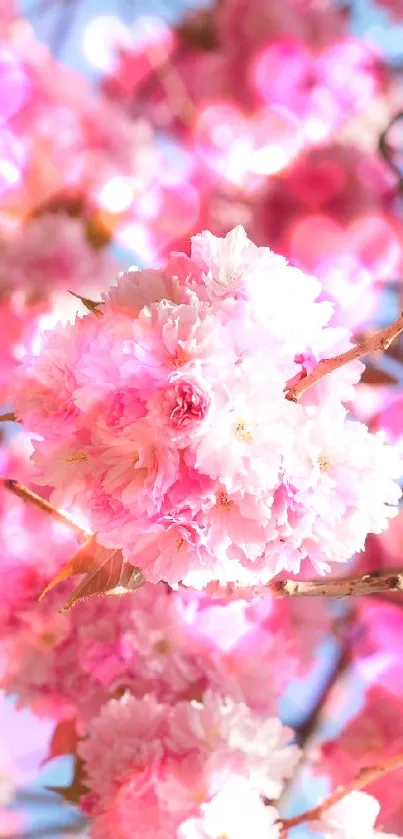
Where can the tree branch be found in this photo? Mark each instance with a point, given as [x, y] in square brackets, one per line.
[310, 725]
[51, 830]
[307, 730]
[387, 152]
[8, 417]
[380, 341]
[364, 777]
[30, 497]
[375, 583]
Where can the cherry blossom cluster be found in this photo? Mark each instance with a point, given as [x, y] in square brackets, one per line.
[166, 421]
[192, 677]
[94, 139]
[233, 55]
[182, 766]
[354, 815]
[175, 645]
[173, 695]
[275, 115]
[52, 231]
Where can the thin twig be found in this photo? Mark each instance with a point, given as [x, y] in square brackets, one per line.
[307, 730]
[8, 417]
[310, 725]
[340, 587]
[30, 497]
[377, 582]
[387, 152]
[50, 830]
[380, 341]
[364, 777]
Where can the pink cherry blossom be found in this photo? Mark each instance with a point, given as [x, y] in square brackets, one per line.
[51, 398]
[53, 251]
[233, 812]
[394, 7]
[176, 759]
[170, 427]
[311, 88]
[352, 816]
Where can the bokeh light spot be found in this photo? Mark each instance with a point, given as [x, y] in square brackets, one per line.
[116, 195]
[102, 37]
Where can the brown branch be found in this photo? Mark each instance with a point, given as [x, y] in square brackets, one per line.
[375, 583]
[307, 730]
[387, 152]
[77, 828]
[30, 497]
[364, 777]
[9, 417]
[380, 341]
[310, 725]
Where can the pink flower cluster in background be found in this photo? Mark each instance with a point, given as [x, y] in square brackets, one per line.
[160, 421]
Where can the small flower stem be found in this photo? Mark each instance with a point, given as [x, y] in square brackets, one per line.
[30, 497]
[375, 583]
[378, 342]
[364, 777]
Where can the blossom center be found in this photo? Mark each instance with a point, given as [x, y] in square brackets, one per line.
[190, 404]
[241, 431]
[76, 457]
[179, 359]
[223, 500]
[162, 646]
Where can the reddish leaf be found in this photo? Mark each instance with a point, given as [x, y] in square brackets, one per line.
[64, 740]
[76, 789]
[80, 563]
[108, 574]
[105, 571]
[91, 305]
